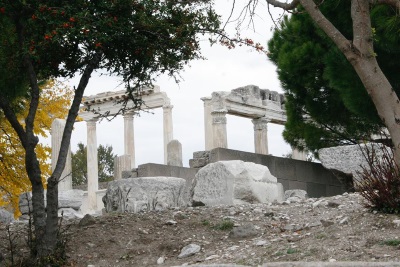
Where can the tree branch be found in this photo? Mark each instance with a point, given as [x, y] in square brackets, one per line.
[12, 119]
[286, 6]
[73, 113]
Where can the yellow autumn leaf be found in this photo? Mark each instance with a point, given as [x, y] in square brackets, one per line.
[55, 99]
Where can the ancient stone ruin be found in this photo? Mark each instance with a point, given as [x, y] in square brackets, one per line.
[261, 105]
[227, 182]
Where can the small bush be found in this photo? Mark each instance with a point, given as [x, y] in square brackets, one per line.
[291, 251]
[391, 242]
[225, 225]
[205, 222]
[380, 182]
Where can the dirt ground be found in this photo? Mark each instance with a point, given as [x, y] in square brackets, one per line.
[337, 228]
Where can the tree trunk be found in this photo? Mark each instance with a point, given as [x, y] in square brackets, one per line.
[360, 53]
[38, 205]
[49, 240]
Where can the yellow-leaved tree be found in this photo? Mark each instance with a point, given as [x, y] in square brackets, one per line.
[54, 103]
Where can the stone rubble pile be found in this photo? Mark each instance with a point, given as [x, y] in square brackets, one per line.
[280, 227]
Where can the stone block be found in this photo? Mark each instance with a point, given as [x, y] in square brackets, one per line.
[235, 182]
[6, 217]
[201, 154]
[143, 194]
[70, 199]
[66, 199]
[198, 162]
[301, 194]
[348, 159]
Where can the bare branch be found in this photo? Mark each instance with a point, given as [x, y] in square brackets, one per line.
[286, 6]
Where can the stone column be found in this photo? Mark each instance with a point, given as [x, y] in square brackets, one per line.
[168, 129]
[219, 129]
[129, 137]
[261, 136]
[299, 155]
[92, 164]
[174, 153]
[121, 163]
[57, 130]
[207, 123]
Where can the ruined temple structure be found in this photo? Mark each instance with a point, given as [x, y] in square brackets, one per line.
[110, 104]
[261, 105]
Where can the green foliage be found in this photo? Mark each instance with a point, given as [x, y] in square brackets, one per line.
[380, 181]
[326, 103]
[225, 225]
[205, 222]
[105, 164]
[291, 251]
[391, 242]
[137, 39]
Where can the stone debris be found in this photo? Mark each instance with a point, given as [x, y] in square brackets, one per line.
[189, 250]
[244, 231]
[160, 260]
[312, 230]
[87, 220]
[6, 217]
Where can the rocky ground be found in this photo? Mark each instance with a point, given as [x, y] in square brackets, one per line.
[337, 228]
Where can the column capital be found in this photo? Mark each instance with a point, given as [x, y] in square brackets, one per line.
[92, 122]
[129, 114]
[260, 123]
[167, 106]
[219, 116]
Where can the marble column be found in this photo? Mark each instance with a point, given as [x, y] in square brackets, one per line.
[261, 136]
[219, 129]
[168, 129]
[57, 130]
[208, 137]
[92, 164]
[121, 164]
[299, 155]
[129, 138]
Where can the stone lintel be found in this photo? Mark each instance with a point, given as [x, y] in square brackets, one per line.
[113, 105]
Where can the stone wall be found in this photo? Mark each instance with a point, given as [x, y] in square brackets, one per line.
[293, 174]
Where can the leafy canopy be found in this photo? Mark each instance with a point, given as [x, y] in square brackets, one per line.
[327, 105]
[137, 39]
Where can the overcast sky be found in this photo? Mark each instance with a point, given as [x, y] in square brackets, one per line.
[223, 70]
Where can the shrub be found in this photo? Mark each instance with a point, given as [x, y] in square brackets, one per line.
[379, 183]
[224, 225]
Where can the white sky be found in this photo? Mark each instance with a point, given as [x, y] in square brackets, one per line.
[223, 70]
